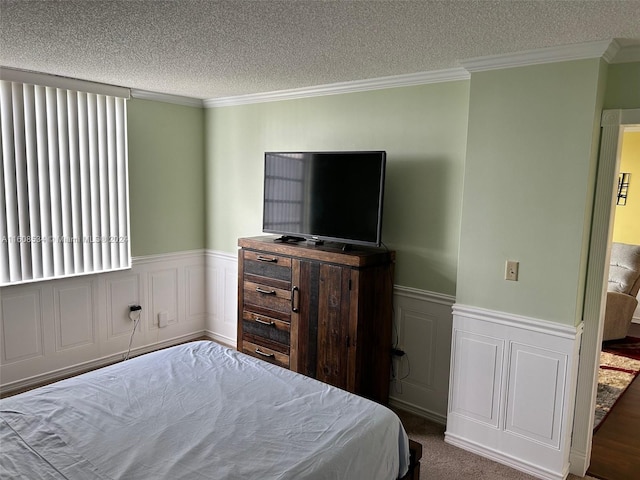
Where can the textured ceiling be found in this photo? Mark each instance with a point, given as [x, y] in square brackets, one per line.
[213, 49]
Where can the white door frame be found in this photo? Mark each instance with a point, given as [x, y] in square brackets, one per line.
[613, 124]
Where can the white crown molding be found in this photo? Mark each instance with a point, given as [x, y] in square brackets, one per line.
[58, 81]
[606, 49]
[167, 98]
[612, 51]
[609, 50]
[407, 80]
[617, 117]
[627, 54]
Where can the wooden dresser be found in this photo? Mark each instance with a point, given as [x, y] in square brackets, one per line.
[319, 311]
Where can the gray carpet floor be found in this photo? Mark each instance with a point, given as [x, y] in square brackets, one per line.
[441, 461]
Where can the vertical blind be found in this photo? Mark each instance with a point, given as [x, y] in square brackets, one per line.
[64, 203]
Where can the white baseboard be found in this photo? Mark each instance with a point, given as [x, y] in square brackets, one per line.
[417, 410]
[507, 460]
[36, 380]
[226, 341]
[579, 463]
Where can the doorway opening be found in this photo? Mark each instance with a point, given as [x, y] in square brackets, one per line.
[613, 125]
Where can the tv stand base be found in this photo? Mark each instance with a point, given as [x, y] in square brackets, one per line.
[288, 239]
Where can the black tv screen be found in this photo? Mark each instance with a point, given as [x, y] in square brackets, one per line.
[335, 196]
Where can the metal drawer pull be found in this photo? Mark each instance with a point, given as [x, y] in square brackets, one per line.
[269, 355]
[266, 292]
[263, 322]
[267, 259]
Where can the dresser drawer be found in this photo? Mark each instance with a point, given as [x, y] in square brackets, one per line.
[258, 325]
[267, 269]
[267, 300]
[265, 353]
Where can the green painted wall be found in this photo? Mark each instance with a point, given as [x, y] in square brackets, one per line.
[422, 128]
[197, 173]
[623, 86]
[166, 185]
[528, 187]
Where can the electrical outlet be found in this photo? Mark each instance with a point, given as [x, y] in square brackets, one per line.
[135, 311]
[511, 270]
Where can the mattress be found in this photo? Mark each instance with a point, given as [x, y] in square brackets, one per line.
[198, 411]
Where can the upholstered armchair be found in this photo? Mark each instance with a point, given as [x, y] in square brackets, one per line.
[624, 283]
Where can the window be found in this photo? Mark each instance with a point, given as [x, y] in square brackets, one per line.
[64, 203]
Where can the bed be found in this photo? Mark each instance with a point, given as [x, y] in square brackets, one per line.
[198, 411]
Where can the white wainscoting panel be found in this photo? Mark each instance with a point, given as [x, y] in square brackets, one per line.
[163, 291]
[513, 382]
[195, 285]
[222, 297]
[75, 314]
[61, 327]
[123, 290]
[478, 360]
[422, 325]
[534, 399]
[22, 335]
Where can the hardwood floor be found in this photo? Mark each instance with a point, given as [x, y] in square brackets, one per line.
[615, 453]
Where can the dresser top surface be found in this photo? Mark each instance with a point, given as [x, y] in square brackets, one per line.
[357, 256]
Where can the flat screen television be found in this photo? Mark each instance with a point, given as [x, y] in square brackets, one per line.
[318, 196]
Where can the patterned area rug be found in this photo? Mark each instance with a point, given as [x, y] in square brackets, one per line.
[615, 374]
[627, 347]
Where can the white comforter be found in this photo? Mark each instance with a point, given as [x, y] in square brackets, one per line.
[198, 411]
